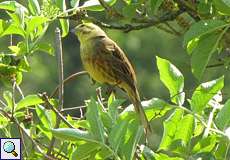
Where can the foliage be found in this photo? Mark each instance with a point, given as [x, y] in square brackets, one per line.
[194, 129]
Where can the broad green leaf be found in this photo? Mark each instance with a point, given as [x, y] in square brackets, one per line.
[29, 100]
[104, 153]
[113, 105]
[204, 93]
[95, 122]
[116, 136]
[162, 156]
[74, 3]
[44, 117]
[2, 22]
[201, 28]
[24, 65]
[130, 10]
[70, 134]
[34, 7]
[12, 6]
[170, 128]
[155, 4]
[64, 26]
[205, 48]
[223, 6]
[13, 29]
[154, 108]
[7, 95]
[85, 150]
[221, 149]
[131, 139]
[185, 129]
[147, 153]
[222, 119]
[45, 47]
[172, 79]
[94, 5]
[35, 22]
[17, 18]
[205, 145]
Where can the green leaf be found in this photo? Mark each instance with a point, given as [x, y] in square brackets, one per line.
[172, 79]
[45, 47]
[155, 4]
[130, 10]
[35, 22]
[64, 26]
[162, 156]
[85, 150]
[74, 3]
[170, 128]
[185, 129]
[222, 119]
[104, 153]
[204, 93]
[154, 108]
[201, 28]
[205, 48]
[44, 117]
[7, 95]
[223, 6]
[205, 145]
[132, 137]
[94, 5]
[14, 29]
[70, 134]
[34, 7]
[92, 116]
[12, 6]
[29, 100]
[113, 105]
[147, 153]
[116, 136]
[2, 22]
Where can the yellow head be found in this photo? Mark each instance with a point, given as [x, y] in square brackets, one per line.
[87, 31]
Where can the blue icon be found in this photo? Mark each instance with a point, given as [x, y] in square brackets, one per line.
[9, 147]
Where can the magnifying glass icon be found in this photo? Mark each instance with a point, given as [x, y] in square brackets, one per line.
[9, 147]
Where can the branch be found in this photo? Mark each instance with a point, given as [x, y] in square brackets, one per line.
[58, 45]
[129, 27]
[68, 79]
[25, 132]
[45, 98]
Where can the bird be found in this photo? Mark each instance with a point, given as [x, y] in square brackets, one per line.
[106, 63]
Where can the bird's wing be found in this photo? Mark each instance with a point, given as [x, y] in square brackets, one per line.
[117, 60]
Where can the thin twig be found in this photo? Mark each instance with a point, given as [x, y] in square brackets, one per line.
[72, 108]
[68, 79]
[209, 124]
[58, 45]
[45, 98]
[25, 132]
[13, 98]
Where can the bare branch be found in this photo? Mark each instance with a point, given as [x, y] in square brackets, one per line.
[68, 79]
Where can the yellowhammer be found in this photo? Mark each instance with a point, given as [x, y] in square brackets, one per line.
[106, 63]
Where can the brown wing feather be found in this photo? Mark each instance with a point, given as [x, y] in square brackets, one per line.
[119, 63]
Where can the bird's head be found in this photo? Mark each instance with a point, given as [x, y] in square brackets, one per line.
[86, 31]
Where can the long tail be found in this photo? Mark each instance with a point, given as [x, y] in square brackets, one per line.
[141, 114]
[135, 98]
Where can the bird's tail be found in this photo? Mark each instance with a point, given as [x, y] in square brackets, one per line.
[135, 98]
